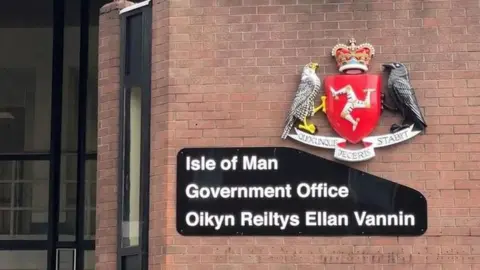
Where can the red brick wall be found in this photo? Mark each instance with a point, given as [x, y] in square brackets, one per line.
[108, 107]
[161, 208]
[224, 75]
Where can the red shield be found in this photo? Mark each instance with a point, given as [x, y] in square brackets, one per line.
[353, 104]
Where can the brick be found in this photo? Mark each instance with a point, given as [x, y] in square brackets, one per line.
[229, 3]
[271, 9]
[283, 18]
[243, 10]
[339, 16]
[306, 9]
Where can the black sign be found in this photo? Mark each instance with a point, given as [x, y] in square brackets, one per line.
[284, 191]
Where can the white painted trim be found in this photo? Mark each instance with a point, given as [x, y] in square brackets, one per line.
[135, 6]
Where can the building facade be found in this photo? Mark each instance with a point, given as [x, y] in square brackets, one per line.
[223, 73]
[98, 97]
[48, 122]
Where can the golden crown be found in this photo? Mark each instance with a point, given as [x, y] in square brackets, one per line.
[353, 57]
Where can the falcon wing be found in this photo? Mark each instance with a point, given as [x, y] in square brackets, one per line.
[405, 96]
[304, 90]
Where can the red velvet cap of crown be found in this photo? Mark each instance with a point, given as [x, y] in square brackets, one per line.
[353, 57]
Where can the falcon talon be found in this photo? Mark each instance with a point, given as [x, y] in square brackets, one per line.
[309, 128]
[396, 128]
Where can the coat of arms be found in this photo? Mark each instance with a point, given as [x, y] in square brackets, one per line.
[353, 103]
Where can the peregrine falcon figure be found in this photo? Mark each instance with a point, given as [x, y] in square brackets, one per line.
[402, 93]
[303, 105]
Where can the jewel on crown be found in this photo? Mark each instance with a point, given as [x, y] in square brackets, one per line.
[353, 57]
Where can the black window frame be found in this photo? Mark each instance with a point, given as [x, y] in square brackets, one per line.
[135, 77]
[54, 154]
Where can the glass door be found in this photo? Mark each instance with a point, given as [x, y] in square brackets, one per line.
[48, 122]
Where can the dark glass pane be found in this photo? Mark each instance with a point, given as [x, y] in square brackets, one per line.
[6, 222]
[70, 95]
[92, 95]
[6, 193]
[92, 80]
[66, 259]
[27, 14]
[22, 260]
[25, 75]
[133, 57]
[39, 13]
[89, 259]
[24, 199]
[71, 66]
[130, 262]
[68, 198]
[90, 198]
[70, 114]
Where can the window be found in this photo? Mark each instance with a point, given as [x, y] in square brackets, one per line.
[130, 262]
[21, 207]
[48, 124]
[133, 163]
[134, 166]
